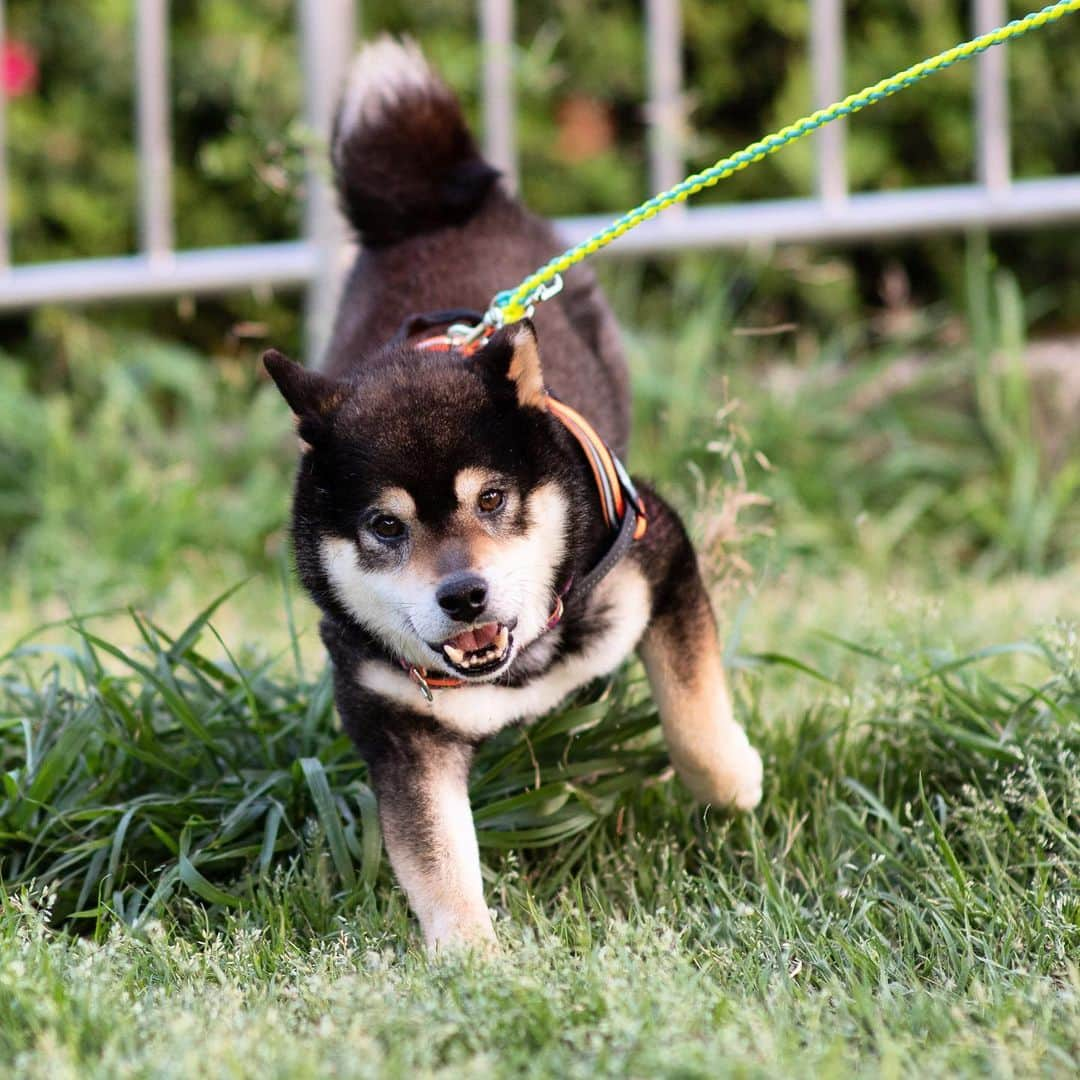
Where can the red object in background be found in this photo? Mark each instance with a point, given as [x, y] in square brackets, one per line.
[18, 68]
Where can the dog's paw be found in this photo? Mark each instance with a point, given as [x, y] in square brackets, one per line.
[730, 776]
[464, 935]
[456, 945]
[747, 773]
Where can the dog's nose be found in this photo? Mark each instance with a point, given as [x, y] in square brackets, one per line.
[462, 596]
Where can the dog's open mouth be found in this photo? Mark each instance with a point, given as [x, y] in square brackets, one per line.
[479, 650]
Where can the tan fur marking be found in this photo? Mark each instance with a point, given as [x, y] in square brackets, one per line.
[709, 750]
[482, 548]
[481, 540]
[397, 501]
[332, 401]
[470, 482]
[305, 446]
[525, 371]
[432, 558]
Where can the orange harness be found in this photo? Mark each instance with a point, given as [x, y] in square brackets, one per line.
[622, 507]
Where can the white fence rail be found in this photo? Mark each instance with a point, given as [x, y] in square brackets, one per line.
[327, 33]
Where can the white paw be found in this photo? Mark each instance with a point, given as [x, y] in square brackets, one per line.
[468, 933]
[747, 775]
[732, 778]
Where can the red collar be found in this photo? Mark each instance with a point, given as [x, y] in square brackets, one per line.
[622, 507]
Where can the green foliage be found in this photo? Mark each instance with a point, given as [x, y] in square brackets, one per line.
[882, 445]
[22, 448]
[239, 143]
[138, 459]
[151, 770]
[904, 894]
[182, 772]
[237, 155]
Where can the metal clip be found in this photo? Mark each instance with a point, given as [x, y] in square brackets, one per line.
[462, 334]
[494, 317]
[544, 291]
[496, 312]
[417, 677]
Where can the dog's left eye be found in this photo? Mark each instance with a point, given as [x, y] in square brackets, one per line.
[491, 500]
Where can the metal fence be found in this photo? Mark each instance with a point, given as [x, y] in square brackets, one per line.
[327, 34]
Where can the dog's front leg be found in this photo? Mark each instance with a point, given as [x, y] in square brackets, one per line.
[681, 652]
[420, 773]
[421, 781]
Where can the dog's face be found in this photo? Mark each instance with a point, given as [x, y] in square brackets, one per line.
[431, 507]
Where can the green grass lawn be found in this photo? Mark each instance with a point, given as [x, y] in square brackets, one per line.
[192, 878]
[904, 899]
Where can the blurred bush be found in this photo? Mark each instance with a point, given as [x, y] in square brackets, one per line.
[239, 144]
[120, 452]
[138, 462]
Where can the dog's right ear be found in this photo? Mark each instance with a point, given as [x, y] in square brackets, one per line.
[308, 393]
[311, 396]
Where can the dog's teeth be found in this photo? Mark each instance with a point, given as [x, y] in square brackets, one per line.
[474, 658]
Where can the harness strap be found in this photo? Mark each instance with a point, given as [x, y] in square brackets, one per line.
[415, 323]
[613, 483]
[632, 527]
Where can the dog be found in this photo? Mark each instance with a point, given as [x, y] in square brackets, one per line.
[460, 515]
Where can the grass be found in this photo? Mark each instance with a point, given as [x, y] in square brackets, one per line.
[906, 898]
[932, 439]
[187, 775]
[191, 875]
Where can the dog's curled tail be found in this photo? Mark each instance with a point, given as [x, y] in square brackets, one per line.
[404, 161]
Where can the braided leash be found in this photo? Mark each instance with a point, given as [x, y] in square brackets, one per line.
[513, 304]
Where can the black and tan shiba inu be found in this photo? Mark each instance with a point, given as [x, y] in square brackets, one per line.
[460, 516]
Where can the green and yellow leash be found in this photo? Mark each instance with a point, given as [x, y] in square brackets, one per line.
[514, 304]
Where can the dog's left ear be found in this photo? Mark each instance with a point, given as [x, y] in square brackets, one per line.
[513, 353]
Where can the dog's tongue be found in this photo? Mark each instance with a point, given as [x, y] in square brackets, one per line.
[477, 638]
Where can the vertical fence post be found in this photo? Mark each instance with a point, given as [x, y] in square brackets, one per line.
[152, 128]
[827, 62]
[5, 242]
[991, 103]
[327, 37]
[497, 32]
[665, 108]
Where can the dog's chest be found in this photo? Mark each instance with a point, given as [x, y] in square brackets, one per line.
[476, 711]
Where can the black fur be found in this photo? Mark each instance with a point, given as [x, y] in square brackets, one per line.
[413, 420]
[415, 169]
[442, 233]
[387, 414]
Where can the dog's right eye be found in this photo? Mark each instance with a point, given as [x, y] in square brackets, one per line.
[387, 527]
